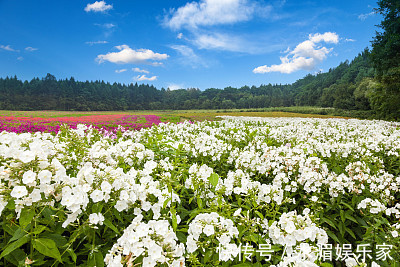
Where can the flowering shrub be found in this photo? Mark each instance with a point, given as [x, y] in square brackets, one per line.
[237, 192]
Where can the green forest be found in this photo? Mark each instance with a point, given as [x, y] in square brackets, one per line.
[370, 83]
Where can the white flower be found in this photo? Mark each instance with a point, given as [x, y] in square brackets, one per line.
[306, 211]
[351, 262]
[237, 212]
[208, 230]
[191, 245]
[106, 187]
[97, 195]
[96, 218]
[395, 233]
[44, 176]
[19, 191]
[314, 198]
[29, 178]
[121, 205]
[290, 227]
[35, 195]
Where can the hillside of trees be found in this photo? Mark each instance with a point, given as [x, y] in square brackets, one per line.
[370, 82]
[346, 86]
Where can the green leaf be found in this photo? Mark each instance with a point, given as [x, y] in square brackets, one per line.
[47, 247]
[342, 216]
[72, 254]
[181, 237]
[110, 225]
[11, 247]
[259, 215]
[208, 255]
[57, 238]
[325, 264]
[27, 215]
[351, 218]
[341, 229]
[351, 232]
[174, 219]
[17, 235]
[333, 236]
[213, 179]
[17, 257]
[328, 221]
[38, 229]
[199, 202]
[99, 259]
[166, 202]
[347, 205]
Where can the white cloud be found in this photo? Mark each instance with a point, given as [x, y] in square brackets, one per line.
[229, 42]
[30, 49]
[98, 6]
[209, 12]
[106, 25]
[121, 70]
[96, 42]
[8, 48]
[349, 40]
[217, 41]
[145, 78]
[140, 70]
[189, 57]
[127, 55]
[175, 86]
[179, 36]
[328, 37]
[366, 15]
[20, 58]
[305, 56]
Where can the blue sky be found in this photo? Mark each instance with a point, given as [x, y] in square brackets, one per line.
[181, 44]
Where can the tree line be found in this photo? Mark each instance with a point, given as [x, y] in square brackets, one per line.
[370, 82]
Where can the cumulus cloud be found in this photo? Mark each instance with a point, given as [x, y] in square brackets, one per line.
[127, 55]
[305, 56]
[145, 78]
[140, 70]
[96, 42]
[209, 12]
[366, 15]
[180, 35]
[98, 6]
[121, 70]
[8, 48]
[30, 49]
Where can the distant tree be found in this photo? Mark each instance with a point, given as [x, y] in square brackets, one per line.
[385, 52]
[385, 57]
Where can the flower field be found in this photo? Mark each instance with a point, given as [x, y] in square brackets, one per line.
[237, 192]
[109, 123]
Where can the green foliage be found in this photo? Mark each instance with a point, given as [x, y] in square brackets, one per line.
[385, 54]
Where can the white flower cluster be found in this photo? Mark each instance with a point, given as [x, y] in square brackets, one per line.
[155, 241]
[291, 229]
[373, 205]
[204, 226]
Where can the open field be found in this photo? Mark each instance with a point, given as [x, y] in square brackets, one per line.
[172, 115]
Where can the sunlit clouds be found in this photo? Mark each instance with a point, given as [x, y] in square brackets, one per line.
[305, 56]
